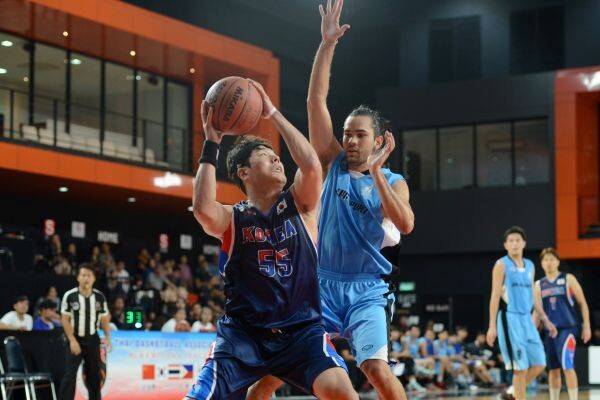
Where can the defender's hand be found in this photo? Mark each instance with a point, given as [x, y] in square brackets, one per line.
[330, 22]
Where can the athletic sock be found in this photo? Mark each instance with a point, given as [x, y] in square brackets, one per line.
[554, 394]
[511, 390]
[573, 393]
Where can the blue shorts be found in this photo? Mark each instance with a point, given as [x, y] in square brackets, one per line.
[357, 310]
[300, 357]
[561, 349]
[522, 345]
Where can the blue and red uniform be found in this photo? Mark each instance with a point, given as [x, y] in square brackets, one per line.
[559, 305]
[272, 323]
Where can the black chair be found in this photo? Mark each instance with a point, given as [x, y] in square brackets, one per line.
[17, 365]
[12, 381]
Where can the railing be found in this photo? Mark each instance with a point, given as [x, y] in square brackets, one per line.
[79, 128]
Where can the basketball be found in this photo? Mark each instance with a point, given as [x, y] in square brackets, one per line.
[237, 105]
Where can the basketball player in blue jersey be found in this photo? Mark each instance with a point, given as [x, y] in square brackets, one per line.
[519, 340]
[558, 292]
[272, 322]
[364, 207]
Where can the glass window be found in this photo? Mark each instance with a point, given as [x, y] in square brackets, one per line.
[532, 156]
[419, 166]
[14, 76]
[150, 105]
[494, 165]
[178, 100]
[456, 157]
[50, 85]
[118, 131]
[85, 92]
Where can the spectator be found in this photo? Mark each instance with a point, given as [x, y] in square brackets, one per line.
[61, 265]
[185, 271]
[55, 249]
[118, 280]
[205, 324]
[45, 321]
[18, 319]
[51, 294]
[213, 265]
[106, 260]
[117, 313]
[71, 256]
[203, 270]
[177, 323]
[95, 256]
[479, 359]
[156, 279]
[405, 367]
[195, 313]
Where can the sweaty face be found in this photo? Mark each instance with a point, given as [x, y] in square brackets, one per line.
[550, 264]
[359, 139]
[514, 244]
[265, 167]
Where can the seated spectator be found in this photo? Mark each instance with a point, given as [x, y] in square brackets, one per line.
[185, 271]
[203, 271]
[405, 367]
[178, 323]
[45, 321]
[118, 280]
[195, 313]
[51, 294]
[117, 313]
[18, 319]
[205, 323]
[428, 349]
[478, 359]
[61, 266]
[71, 256]
[156, 279]
[424, 367]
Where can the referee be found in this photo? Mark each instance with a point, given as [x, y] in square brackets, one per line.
[81, 310]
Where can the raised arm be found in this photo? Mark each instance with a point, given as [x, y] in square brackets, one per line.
[212, 215]
[394, 199]
[307, 182]
[586, 331]
[497, 281]
[320, 127]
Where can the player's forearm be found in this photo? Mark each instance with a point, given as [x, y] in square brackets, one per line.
[105, 322]
[318, 87]
[494, 303]
[539, 309]
[396, 208]
[68, 328]
[205, 191]
[585, 313]
[300, 149]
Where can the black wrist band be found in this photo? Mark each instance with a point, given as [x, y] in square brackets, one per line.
[210, 153]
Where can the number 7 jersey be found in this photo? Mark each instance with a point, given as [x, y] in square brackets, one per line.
[268, 263]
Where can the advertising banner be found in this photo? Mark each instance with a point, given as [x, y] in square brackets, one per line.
[150, 365]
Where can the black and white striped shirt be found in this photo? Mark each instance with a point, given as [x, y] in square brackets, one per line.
[85, 312]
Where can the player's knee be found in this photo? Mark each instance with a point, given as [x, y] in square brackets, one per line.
[376, 370]
[341, 392]
[263, 389]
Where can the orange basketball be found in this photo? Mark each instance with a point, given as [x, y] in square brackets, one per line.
[237, 105]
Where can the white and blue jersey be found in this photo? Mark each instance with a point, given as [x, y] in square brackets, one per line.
[518, 338]
[352, 231]
[559, 305]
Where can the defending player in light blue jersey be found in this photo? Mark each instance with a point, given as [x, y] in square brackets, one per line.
[558, 293]
[364, 207]
[519, 340]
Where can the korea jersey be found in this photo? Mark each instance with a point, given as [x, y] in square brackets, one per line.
[558, 301]
[352, 230]
[268, 263]
[518, 286]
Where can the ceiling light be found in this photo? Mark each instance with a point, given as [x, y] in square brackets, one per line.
[132, 53]
[25, 79]
[3, 71]
[63, 189]
[76, 61]
[190, 208]
[65, 33]
[131, 199]
[192, 70]
[6, 43]
[168, 180]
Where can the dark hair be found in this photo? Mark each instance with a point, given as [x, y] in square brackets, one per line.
[88, 267]
[47, 304]
[514, 229]
[380, 124]
[239, 155]
[549, 250]
[19, 299]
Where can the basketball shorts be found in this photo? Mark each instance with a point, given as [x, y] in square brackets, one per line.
[519, 341]
[305, 354]
[357, 310]
[560, 350]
